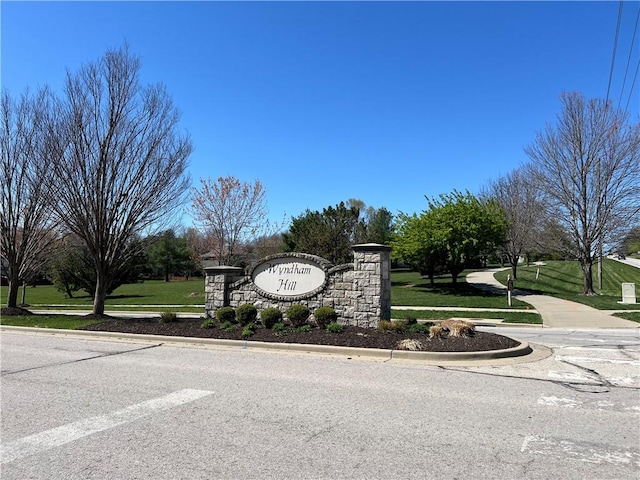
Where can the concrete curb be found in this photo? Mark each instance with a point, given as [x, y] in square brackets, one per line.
[519, 353]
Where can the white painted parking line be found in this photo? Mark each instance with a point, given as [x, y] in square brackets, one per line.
[56, 437]
[569, 358]
[581, 451]
[601, 405]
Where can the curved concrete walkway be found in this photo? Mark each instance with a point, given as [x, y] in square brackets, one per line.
[555, 312]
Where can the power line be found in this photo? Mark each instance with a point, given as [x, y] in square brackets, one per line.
[615, 47]
[626, 70]
[635, 77]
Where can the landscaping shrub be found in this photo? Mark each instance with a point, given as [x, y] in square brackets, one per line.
[304, 328]
[419, 328]
[335, 328]
[298, 314]
[270, 317]
[278, 327]
[324, 316]
[168, 317]
[247, 331]
[246, 314]
[228, 326]
[391, 326]
[226, 314]
[208, 323]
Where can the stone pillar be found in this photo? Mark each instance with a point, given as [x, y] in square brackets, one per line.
[216, 287]
[371, 284]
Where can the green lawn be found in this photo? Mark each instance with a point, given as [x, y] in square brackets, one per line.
[563, 279]
[150, 292]
[411, 289]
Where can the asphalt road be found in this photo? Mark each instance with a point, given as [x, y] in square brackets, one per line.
[86, 409]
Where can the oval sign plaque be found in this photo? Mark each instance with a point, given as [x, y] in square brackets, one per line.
[288, 276]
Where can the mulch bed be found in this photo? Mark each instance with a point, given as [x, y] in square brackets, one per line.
[349, 337]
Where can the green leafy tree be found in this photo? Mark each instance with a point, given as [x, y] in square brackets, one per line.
[414, 243]
[631, 242]
[379, 225]
[466, 228]
[330, 234]
[456, 231]
[168, 255]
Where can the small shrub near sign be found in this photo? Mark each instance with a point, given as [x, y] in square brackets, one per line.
[226, 314]
[298, 314]
[246, 314]
[270, 317]
[324, 316]
[334, 328]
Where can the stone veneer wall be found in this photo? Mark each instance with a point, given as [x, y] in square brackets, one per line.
[359, 292]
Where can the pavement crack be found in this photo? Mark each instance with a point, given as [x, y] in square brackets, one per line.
[102, 355]
[578, 386]
[597, 377]
[624, 349]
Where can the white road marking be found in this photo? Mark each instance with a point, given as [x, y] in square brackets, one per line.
[56, 437]
[568, 358]
[601, 405]
[595, 349]
[558, 402]
[582, 451]
[572, 376]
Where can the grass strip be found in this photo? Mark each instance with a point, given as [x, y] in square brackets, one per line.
[64, 322]
[509, 317]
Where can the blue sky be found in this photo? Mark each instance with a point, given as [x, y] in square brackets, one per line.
[385, 102]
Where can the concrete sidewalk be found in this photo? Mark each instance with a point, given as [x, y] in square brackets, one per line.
[555, 312]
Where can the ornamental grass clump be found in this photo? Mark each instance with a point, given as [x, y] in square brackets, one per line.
[410, 344]
[270, 317]
[324, 316]
[246, 314]
[298, 314]
[168, 317]
[452, 328]
[391, 326]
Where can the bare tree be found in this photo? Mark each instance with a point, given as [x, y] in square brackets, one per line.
[588, 167]
[27, 230]
[519, 198]
[229, 213]
[121, 165]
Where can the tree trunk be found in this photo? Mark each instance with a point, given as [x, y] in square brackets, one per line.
[514, 266]
[12, 298]
[588, 277]
[101, 293]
